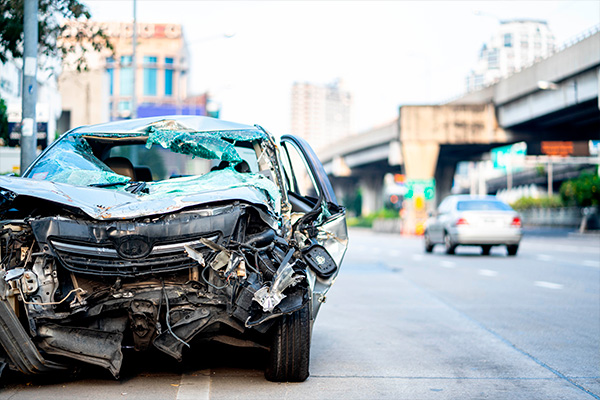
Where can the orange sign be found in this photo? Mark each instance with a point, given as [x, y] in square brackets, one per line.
[562, 149]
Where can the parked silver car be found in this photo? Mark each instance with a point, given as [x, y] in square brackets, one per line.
[484, 221]
[163, 233]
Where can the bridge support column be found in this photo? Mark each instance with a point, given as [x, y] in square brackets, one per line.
[371, 188]
[420, 161]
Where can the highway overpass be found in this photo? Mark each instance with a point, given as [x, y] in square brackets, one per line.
[553, 99]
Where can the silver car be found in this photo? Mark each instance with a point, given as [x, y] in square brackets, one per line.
[484, 221]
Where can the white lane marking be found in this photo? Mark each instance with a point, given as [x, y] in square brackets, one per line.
[194, 386]
[548, 285]
[488, 272]
[448, 264]
[591, 263]
[417, 257]
[544, 257]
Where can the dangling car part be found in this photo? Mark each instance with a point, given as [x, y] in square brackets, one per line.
[166, 232]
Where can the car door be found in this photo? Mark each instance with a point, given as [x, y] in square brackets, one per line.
[314, 207]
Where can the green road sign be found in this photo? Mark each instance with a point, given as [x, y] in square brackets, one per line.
[420, 187]
[510, 156]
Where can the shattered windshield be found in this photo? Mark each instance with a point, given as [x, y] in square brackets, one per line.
[170, 162]
[209, 145]
[72, 161]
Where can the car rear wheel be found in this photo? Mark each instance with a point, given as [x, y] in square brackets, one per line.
[448, 244]
[486, 250]
[512, 249]
[290, 350]
[428, 244]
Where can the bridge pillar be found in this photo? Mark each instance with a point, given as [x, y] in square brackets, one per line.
[371, 188]
[420, 161]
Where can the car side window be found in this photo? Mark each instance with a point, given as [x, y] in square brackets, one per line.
[299, 177]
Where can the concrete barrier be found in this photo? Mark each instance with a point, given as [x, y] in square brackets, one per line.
[553, 217]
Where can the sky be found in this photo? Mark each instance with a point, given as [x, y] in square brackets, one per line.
[387, 53]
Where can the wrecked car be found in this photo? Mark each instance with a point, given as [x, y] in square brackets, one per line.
[163, 233]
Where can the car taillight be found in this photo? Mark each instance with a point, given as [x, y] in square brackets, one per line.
[461, 221]
[516, 222]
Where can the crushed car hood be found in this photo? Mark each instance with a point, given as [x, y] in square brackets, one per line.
[164, 197]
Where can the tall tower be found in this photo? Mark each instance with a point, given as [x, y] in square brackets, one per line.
[321, 114]
[517, 44]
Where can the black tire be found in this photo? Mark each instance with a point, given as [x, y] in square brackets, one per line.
[486, 250]
[449, 245]
[290, 350]
[428, 244]
[512, 249]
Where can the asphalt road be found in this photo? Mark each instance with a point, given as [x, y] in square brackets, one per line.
[402, 324]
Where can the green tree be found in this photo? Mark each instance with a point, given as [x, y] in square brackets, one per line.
[583, 191]
[50, 27]
[3, 123]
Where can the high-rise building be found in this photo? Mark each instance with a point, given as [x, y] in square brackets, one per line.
[105, 91]
[517, 43]
[321, 114]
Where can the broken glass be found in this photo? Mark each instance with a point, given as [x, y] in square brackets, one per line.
[215, 145]
[71, 161]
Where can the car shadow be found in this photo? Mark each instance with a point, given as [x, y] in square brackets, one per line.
[205, 355]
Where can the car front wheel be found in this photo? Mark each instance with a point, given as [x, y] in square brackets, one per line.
[290, 350]
[512, 249]
[448, 244]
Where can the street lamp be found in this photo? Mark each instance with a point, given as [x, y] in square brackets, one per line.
[547, 85]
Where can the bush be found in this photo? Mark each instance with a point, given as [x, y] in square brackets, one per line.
[367, 220]
[583, 191]
[527, 203]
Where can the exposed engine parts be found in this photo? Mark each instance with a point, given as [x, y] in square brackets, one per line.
[230, 277]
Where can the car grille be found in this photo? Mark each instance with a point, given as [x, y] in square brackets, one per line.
[86, 258]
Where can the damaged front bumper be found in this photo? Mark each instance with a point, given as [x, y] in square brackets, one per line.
[82, 289]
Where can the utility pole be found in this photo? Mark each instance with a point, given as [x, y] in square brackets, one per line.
[29, 98]
[134, 62]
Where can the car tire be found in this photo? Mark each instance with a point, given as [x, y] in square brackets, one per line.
[512, 249]
[289, 356]
[428, 244]
[486, 250]
[448, 244]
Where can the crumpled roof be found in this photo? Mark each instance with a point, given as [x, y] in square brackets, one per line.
[190, 123]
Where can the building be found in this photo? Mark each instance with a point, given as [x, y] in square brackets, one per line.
[321, 114]
[47, 107]
[105, 91]
[516, 44]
